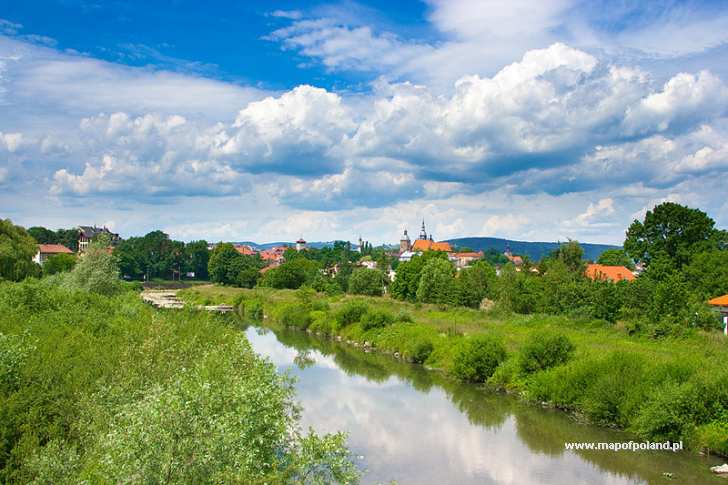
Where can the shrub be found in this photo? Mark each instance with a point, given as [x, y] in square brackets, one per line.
[477, 358]
[420, 350]
[294, 315]
[376, 319]
[364, 281]
[350, 312]
[713, 437]
[544, 351]
[253, 309]
[404, 317]
[321, 322]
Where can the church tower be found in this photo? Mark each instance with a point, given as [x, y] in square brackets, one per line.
[404, 243]
[423, 233]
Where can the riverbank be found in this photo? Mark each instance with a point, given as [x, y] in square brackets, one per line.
[657, 389]
[107, 389]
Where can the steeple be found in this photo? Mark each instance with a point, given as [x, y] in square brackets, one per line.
[423, 232]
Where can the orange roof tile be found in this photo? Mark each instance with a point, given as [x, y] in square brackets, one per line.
[245, 250]
[611, 273]
[427, 245]
[470, 254]
[53, 249]
[719, 301]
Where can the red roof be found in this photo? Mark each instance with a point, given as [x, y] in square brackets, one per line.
[245, 250]
[53, 249]
[470, 254]
[611, 273]
[517, 260]
[719, 301]
[427, 245]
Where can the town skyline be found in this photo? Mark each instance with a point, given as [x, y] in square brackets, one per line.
[339, 119]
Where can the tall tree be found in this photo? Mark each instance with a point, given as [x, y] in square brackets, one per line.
[615, 257]
[17, 249]
[197, 258]
[671, 229]
[43, 235]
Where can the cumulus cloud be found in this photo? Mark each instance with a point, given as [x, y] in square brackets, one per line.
[297, 132]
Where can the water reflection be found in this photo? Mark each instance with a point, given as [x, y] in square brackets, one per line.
[415, 426]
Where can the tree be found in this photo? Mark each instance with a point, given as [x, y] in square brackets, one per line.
[476, 283]
[407, 280]
[198, 256]
[364, 281]
[671, 229]
[221, 261]
[572, 255]
[68, 237]
[43, 235]
[615, 257]
[17, 249]
[59, 263]
[707, 274]
[97, 271]
[291, 274]
[437, 282]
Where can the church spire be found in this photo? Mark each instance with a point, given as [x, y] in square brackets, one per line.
[423, 232]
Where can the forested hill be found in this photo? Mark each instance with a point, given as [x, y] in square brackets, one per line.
[534, 250]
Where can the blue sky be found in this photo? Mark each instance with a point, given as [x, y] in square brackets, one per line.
[270, 120]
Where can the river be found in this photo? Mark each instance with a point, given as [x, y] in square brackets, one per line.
[414, 426]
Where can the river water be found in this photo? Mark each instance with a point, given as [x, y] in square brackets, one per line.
[414, 426]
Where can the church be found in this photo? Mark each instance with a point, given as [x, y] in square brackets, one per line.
[408, 248]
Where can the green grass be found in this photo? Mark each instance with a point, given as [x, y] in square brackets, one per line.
[669, 388]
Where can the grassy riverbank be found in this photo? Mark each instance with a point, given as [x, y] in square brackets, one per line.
[106, 389]
[659, 389]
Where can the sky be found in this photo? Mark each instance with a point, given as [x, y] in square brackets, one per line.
[268, 121]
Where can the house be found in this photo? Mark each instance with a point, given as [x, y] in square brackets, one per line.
[245, 250]
[513, 258]
[721, 304]
[86, 234]
[45, 251]
[274, 254]
[463, 260]
[368, 263]
[608, 273]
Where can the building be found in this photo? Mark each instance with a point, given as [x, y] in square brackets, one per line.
[463, 260]
[301, 244]
[515, 259]
[423, 243]
[245, 250]
[86, 234]
[45, 251]
[404, 244]
[608, 273]
[721, 305]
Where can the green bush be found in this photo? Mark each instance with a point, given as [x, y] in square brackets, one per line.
[404, 317]
[712, 437]
[477, 358]
[294, 315]
[543, 351]
[376, 319]
[253, 309]
[420, 350]
[350, 312]
[321, 322]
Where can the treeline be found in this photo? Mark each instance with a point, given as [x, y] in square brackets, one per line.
[685, 261]
[155, 255]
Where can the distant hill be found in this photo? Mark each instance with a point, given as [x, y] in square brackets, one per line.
[534, 250]
[315, 244]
